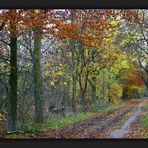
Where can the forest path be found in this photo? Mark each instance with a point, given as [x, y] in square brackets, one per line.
[126, 128]
[113, 124]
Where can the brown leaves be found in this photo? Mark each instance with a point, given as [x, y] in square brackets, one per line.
[134, 81]
[98, 126]
[87, 26]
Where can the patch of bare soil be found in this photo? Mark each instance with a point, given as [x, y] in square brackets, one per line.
[125, 129]
[137, 132]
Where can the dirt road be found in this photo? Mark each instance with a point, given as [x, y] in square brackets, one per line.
[114, 124]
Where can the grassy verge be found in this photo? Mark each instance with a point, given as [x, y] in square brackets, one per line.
[144, 120]
[143, 126]
[69, 120]
[55, 124]
[80, 117]
[17, 136]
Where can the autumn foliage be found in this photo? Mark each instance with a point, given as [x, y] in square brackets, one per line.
[67, 59]
[133, 81]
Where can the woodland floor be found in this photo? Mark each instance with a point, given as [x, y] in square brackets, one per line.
[122, 122]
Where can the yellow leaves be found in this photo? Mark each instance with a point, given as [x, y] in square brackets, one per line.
[124, 64]
[115, 92]
[2, 117]
[46, 73]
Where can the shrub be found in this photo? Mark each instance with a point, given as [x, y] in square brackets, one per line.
[114, 93]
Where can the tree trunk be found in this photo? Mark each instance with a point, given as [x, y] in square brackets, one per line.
[147, 82]
[124, 94]
[12, 115]
[74, 83]
[74, 69]
[82, 97]
[93, 79]
[83, 88]
[37, 77]
[93, 89]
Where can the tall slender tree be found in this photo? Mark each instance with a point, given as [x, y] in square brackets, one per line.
[38, 31]
[12, 120]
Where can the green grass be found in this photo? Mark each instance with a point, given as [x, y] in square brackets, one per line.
[18, 136]
[29, 130]
[144, 121]
[68, 120]
[55, 124]
[111, 107]
[82, 116]
[146, 105]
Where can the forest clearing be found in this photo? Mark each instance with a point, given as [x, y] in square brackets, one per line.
[73, 74]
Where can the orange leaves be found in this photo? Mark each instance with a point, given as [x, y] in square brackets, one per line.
[20, 21]
[130, 15]
[32, 17]
[66, 31]
[86, 26]
[134, 81]
[137, 81]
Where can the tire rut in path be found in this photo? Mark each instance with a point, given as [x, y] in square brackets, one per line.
[80, 129]
[119, 133]
[89, 127]
[102, 126]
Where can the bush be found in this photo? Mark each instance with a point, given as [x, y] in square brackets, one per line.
[114, 93]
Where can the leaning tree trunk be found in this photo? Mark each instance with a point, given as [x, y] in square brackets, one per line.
[12, 115]
[37, 77]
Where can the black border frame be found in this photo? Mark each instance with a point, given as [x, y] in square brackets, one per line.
[73, 4]
[46, 143]
[61, 4]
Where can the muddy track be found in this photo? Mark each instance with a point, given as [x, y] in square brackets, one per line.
[120, 123]
[104, 125]
[87, 128]
[96, 127]
[135, 130]
[119, 133]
